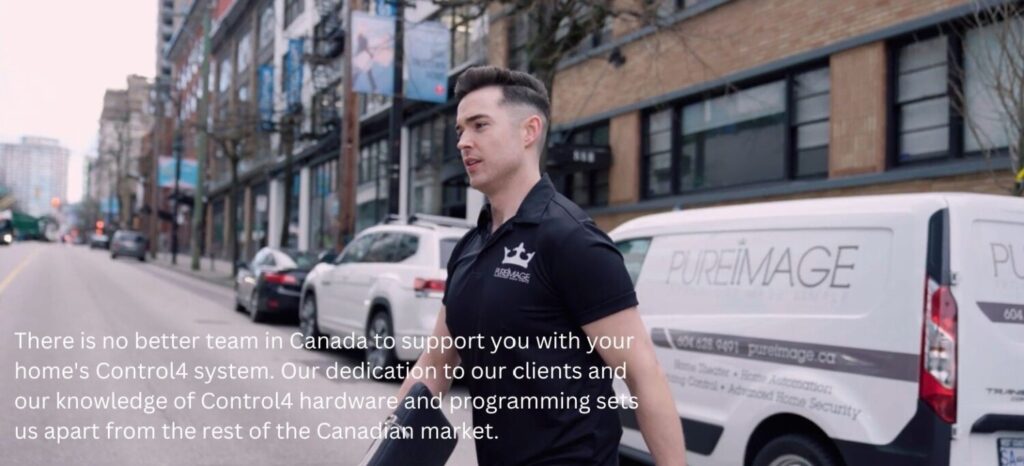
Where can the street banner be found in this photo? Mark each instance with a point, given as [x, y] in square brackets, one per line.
[385, 8]
[266, 96]
[189, 174]
[293, 73]
[373, 54]
[110, 206]
[427, 55]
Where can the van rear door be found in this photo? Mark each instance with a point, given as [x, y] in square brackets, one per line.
[987, 260]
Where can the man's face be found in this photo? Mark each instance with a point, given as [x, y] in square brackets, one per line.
[491, 139]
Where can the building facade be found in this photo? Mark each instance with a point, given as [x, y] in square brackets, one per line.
[35, 171]
[714, 102]
[119, 170]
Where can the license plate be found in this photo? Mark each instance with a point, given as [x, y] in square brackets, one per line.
[1011, 452]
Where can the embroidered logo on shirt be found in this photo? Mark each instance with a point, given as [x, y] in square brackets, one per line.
[516, 256]
[519, 258]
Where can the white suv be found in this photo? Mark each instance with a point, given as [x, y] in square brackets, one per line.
[387, 282]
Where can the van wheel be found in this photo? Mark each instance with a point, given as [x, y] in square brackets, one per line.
[380, 326]
[795, 450]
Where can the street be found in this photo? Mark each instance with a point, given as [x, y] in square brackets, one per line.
[55, 290]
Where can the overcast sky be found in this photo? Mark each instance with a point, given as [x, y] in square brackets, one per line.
[56, 60]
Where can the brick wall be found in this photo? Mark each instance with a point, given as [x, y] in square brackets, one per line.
[736, 36]
[858, 118]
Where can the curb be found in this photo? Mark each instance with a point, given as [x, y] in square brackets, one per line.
[225, 282]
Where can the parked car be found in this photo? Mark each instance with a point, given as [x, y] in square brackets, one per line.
[6, 232]
[99, 241]
[861, 330]
[128, 243]
[271, 283]
[388, 281]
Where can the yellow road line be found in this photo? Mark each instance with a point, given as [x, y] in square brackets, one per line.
[10, 277]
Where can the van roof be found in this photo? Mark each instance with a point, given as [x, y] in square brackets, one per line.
[886, 203]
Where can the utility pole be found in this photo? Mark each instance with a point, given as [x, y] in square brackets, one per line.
[162, 91]
[395, 119]
[198, 202]
[349, 137]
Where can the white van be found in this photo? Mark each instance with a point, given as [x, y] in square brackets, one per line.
[860, 331]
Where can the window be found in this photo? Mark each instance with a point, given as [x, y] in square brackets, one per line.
[382, 248]
[633, 253]
[267, 26]
[292, 241]
[989, 66]
[407, 247]
[427, 142]
[292, 10]
[466, 34]
[520, 31]
[946, 85]
[659, 153]
[770, 132]
[453, 196]
[244, 53]
[372, 170]
[392, 248]
[323, 206]
[356, 251]
[922, 100]
[587, 188]
[225, 75]
[734, 139]
[812, 107]
[243, 92]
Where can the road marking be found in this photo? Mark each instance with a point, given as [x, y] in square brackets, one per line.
[10, 277]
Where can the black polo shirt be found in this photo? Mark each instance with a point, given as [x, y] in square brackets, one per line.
[546, 270]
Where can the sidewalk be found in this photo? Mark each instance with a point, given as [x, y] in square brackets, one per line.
[216, 271]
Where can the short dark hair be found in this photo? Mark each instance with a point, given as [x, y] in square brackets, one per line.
[516, 87]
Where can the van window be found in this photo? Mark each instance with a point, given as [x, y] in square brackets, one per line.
[633, 253]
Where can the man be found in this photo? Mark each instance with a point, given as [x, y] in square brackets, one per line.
[537, 266]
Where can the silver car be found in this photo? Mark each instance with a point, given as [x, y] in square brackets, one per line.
[128, 243]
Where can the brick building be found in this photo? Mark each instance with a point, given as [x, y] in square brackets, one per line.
[744, 100]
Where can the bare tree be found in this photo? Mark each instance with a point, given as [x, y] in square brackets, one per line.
[235, 135]
[990, 88]
[556, 29]
[119, 153]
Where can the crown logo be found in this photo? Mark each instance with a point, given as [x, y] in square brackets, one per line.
[515, 256]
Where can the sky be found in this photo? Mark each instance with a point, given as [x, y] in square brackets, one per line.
[56, 60]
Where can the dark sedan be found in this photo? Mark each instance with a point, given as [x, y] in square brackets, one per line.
[99, 241]
[272, 282]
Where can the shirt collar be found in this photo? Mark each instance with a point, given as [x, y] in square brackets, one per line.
[530, 210]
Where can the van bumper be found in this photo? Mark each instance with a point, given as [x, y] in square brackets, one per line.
[925, 441]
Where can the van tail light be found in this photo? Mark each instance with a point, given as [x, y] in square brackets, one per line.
[425, 286]
[938, 353]
[280, 279]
